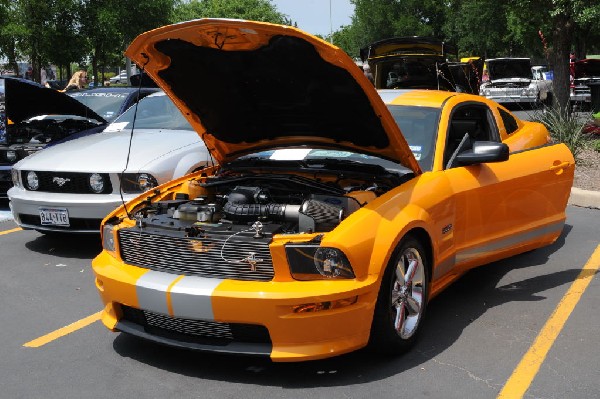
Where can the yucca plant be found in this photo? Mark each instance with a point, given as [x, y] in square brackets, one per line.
[564, 127]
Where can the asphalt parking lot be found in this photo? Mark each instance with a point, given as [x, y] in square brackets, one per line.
[502, 329]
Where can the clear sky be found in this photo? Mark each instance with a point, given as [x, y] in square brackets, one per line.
[313, 16]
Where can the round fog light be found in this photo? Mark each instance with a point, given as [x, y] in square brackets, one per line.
[96, 183]
[32, 180]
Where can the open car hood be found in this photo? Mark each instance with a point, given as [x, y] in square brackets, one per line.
[506, 68]
[25, 99]
[411, 45]
[247, 86]
[587, 68]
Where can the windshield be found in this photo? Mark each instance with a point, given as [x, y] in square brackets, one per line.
[153, 112]
[323, 158]
[419, 127]
[105, 104]
[510, 69]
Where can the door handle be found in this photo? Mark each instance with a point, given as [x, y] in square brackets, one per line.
[560, 166]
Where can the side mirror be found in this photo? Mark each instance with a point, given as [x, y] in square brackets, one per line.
[483, 152]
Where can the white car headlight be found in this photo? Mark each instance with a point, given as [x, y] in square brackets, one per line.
[33, 182]
[96, 183]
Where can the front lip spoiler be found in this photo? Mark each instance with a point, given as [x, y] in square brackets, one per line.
[232, 348]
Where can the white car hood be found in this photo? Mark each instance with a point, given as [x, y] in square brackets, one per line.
[107, 151]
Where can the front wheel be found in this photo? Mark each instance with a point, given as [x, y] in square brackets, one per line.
[402, 299]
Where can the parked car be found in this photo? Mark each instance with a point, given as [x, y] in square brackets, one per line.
[511, 81]
[32, 117]
[70, 187]
[120, 78]
[110, 102]
[413, 62]
[336, 212]
[583, 73]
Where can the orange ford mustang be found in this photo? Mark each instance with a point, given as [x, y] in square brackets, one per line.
[334, 212]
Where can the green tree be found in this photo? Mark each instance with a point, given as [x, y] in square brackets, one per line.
[380, 19]
[468, 25]
[10, 30]
[563, 20]
[253, 10]
[65, 43]
[32, 34]
[101, 30]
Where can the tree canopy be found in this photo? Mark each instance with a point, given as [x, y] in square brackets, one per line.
[94, 33]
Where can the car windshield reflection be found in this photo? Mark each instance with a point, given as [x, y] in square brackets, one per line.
[419, 126]
[152, 112]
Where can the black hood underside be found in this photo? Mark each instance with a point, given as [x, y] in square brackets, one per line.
[25, 99]
[283, 89]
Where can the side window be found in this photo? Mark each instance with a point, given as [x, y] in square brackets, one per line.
[469, 123]
[510, 124]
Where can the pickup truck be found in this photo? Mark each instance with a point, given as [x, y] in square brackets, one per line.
[511, 80]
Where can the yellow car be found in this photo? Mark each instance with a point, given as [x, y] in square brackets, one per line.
[333, 213]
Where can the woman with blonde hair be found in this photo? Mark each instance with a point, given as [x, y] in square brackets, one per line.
[78, 81]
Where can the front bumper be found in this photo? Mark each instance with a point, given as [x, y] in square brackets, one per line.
[291, 336]
[581, 98]
[511, 99]
[85, 211]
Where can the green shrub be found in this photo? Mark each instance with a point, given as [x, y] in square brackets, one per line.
[564, 127]
[596, 145]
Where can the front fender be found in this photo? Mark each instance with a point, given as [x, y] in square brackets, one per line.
[187, 164]
[369, 236]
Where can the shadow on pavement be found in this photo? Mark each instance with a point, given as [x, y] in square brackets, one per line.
[65, 245]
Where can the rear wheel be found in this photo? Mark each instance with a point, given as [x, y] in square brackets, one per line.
[402, 299]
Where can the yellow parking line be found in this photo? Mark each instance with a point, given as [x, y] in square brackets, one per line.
[10, 231]
[523, 375]
[36, 343]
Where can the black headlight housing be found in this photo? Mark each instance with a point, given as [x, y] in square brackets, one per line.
[310, 261]
[132, 183]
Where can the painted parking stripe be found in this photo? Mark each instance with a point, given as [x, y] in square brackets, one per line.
[10, 231]
[527, 369]
[61, 332]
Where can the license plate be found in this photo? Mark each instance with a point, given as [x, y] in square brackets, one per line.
[54, 216]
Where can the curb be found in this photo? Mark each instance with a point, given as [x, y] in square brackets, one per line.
[585, 198]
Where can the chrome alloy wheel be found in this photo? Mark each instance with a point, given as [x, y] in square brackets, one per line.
[407, 292]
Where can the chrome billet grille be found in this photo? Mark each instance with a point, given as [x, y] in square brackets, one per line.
[187, 326]
[189, 330]
[226, 256]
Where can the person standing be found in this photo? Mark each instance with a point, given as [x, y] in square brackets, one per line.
[78, 81]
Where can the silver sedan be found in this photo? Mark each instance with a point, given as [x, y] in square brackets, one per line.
[72, 186]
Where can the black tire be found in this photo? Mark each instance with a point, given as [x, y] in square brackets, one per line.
[401, 301]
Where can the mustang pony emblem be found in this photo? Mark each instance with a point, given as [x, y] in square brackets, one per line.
[60, 181]
[252, 260]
